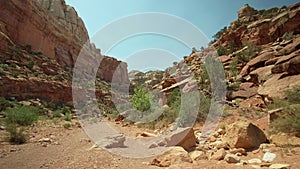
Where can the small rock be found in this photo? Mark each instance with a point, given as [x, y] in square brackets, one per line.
[212, 139]
[255, 166]
[198, 155]
[47, 140]
[280, 166]
[221, 131]
[219, 145]
[238, 151]
[2, 128]
[219, 155]
[265, 164]
[85, 140]
[231, 158]
[254, 161]
[269, 157]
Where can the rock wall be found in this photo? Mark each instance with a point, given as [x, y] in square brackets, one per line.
[259, 29]
[53, 28]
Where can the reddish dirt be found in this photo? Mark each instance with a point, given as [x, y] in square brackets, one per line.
[70, 148]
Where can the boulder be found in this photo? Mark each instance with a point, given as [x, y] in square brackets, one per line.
[245, 91]
[277, 84]
[244, 135]
[289, 64]
[183, 137]
[174, 156]
[256, 62]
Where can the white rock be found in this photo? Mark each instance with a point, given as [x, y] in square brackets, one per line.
[280, 166]
[269, 157]
[254, 161]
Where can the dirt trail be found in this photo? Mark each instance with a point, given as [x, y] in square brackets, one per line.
[70, 149]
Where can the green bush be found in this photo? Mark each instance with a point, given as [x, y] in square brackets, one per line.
[293, 95]
[4, 104]
[222, 50]
[238, 24]
[16, 135]
[289, 119]
[173, 97]
[205, 102]
[30, 64]
[141, 99]
[24, 115]
[219, 34]
[57, 114]
[67, 125]
[67, 117]
[288, 36]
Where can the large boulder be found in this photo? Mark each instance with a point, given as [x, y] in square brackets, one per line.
[176, 155]
[277, 84]
[183, 137]
[289, 63]
[244, 135]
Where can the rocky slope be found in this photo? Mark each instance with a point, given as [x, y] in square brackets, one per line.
[47, 36]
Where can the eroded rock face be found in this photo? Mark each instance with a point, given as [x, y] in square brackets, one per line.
[54, 29]
[264, 30]
[246, 11]
[244, 135]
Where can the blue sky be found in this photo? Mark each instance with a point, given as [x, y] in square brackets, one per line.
[209, 16]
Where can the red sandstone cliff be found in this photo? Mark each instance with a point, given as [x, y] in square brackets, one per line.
[54, 29]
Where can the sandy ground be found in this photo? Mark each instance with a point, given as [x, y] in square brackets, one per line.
[71, 149]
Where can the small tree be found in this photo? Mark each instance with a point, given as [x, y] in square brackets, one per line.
[141, 99]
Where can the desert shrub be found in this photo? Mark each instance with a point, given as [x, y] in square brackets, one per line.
[16, 135]
[173, 97]
[222, 50]
[205, 102]
[67, 117]
[220, 33]
[67, 125]
[233, 68]
[288, 36]
[4, 104]
[238, 24]
[23, 115]
[30, 64]
[57, 114]
[293, 95]
[289, 119]
[141, 98]
[269, 13]
[2, 72]
[231, 47]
